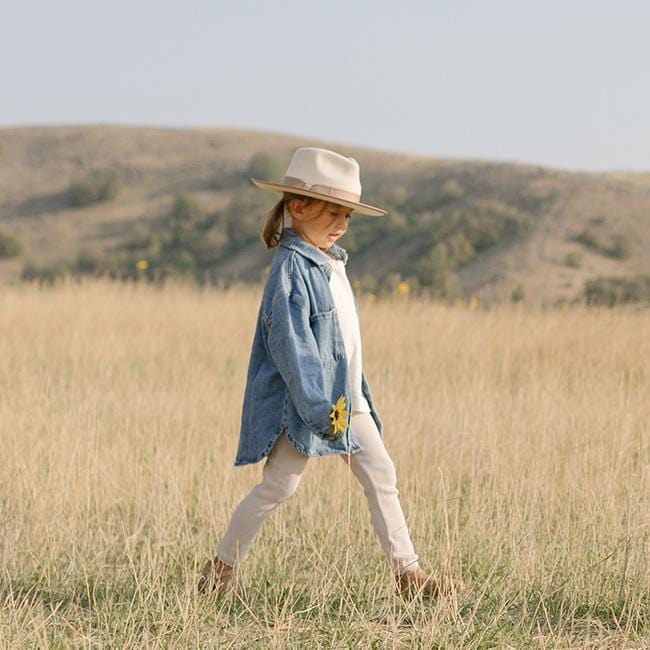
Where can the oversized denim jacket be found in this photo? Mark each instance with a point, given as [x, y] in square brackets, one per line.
[298, 367]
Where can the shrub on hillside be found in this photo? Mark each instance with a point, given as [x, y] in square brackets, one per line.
[535, 198]
[451, 190]
[184, 242]
[185, 209]
[611, 291]
[88, 261]
[243, 217]
[185, 216]
[179, 231]
[517, 292]
[623, 247]
[265, 167]
[224, 178]
[459, 249]
[209, 249]
[45, 274]
[98, 185]
[432, 194]
[589, 238]
[487, 224]
[573, 259]
[10, 245]
[435, 271]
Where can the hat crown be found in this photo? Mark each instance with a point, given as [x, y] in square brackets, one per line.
[321, 167]
[324, 175]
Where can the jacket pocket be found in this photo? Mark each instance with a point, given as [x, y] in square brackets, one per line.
[326, 329]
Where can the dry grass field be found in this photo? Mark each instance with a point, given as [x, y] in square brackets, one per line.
[521, 439]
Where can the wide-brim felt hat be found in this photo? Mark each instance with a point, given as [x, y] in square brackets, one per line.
[323, 174]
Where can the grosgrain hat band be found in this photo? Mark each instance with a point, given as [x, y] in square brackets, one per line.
[335, 192]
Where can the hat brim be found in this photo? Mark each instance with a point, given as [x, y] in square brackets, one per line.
[362, 208]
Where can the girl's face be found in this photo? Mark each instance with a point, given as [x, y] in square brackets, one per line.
[323, 229]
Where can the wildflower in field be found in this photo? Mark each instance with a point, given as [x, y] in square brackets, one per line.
[403, 288]
[339, 415]
[473, 303]
[142, 265]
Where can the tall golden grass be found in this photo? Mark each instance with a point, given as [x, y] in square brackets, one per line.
[521, 440]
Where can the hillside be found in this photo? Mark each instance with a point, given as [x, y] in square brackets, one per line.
[457, 227]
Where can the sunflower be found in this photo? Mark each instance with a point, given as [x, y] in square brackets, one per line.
[339, 416]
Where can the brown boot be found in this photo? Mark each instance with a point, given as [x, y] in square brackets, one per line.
[417, 581]
[217, 576]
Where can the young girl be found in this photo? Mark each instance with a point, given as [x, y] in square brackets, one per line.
[306, 391]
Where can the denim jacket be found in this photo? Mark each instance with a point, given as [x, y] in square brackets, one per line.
[298, 368]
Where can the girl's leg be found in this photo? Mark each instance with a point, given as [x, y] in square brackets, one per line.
[280, 478]
[374, 468]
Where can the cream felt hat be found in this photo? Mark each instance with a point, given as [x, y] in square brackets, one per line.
[323, 174]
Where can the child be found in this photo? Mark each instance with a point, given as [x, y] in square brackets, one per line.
[305, 375]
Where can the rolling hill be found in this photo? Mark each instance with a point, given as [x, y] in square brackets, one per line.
[498, 231]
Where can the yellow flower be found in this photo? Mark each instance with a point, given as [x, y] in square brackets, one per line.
[403, 287]
[473, 303]
[142, 264]
[339, 416]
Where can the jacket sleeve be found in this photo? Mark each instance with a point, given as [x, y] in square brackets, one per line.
[293, 349]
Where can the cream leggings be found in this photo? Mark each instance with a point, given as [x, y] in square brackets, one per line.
[281, 475]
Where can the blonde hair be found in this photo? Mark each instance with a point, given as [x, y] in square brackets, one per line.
[272, 228]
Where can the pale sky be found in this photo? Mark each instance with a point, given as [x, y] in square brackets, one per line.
[563, 83]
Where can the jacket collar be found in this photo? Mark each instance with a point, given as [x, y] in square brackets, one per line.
[291, 239]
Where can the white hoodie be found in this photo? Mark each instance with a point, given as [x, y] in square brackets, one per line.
[349, 321]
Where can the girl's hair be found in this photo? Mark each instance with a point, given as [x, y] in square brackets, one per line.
[272, 227]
